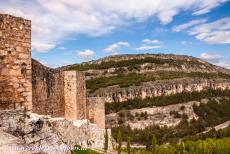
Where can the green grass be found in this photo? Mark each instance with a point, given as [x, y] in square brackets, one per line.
[183, 97]
[80, 150]
[126, 80]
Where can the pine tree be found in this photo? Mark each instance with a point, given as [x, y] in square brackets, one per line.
[128, 145]
[154, 142]
[106, 140]
[119, 140]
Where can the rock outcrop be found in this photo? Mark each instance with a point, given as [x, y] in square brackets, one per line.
[160, 88]
[48, 135]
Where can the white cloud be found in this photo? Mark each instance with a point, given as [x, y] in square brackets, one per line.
[54, 21]
[211, 57]
[86, 53]
[217, 32]
[148, 47]
[191, 23]
[61, 48]
[186, 43]
[116, 46]
[149, 41]
[42, 47]
[215, 59]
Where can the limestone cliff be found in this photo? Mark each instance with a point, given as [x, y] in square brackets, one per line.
[159, 88]
[180, 77]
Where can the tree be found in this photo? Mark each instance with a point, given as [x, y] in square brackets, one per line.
[119, 140]
[106, 140]
[154, 142]
[128, 145]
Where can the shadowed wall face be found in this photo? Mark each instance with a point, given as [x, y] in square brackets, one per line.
[48, 90]
[96, 110]
[15, 63]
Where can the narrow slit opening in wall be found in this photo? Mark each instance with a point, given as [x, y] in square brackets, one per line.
[21, 104]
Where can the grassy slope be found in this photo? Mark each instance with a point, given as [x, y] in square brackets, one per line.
[125, 80]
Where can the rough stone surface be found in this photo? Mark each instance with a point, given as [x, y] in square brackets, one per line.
[160, 88]
[81, 132]
[15, 63]
[74, 95]
[96, 110]
[33, 130]
[48, 90]
[161, 116]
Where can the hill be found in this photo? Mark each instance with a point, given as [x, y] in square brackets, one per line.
[173, 96]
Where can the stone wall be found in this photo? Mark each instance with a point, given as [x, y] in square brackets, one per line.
[159, 88]
[15, 63]
[48, 90]
[74, 95]
[96, 110]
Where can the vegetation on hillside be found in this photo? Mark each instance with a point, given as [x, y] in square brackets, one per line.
[132, 62]
[183, 97]
[134, 79]
[210, 114]
[207, 146]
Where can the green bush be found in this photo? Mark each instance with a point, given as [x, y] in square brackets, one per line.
[209, 114]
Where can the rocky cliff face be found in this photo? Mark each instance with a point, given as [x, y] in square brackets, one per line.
[53, 135]
[159, 88]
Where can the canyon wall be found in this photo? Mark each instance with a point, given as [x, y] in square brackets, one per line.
[15, 63]
[159, 88]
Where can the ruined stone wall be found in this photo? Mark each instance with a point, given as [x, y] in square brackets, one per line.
[159, 88]
[96, 111]
[15, 63]
[74, 95]
[48, 90]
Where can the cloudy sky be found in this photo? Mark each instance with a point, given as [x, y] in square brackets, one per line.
[72, 31]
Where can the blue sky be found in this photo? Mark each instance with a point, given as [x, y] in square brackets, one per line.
[72, 31]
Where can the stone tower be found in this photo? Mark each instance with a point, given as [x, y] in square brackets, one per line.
[74, 95]
[15, 63]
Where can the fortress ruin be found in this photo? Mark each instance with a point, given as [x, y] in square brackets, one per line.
[27, 84]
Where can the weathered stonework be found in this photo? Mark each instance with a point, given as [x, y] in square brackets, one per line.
[74, 95]
[96, 110]
[15, 63]
[48, 90]
[55, 92]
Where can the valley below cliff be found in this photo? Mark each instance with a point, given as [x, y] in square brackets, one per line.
[172, 96]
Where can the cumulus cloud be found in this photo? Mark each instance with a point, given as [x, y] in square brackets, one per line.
[191, 23]
[149, 44]
[113, 48]
[42, 47]
[148, 47]
[149, 41]
[86, 53]
[215, 59]
[217, 32]
[55, 20]
[211, 57]
[186, 43]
